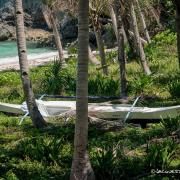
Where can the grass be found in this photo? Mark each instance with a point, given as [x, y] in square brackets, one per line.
[28, 153]
[131, 153]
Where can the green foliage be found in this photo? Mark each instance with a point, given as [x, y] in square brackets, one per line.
[58, 79]
[164, 38]
[102, 85]
[174, 88]
[44, 148]
[161, 154]
[110, 162]
[14, 93]
[105, 161]
[72, 50]
[140, 84]
[170, 125]
[9, 78]
[109, 35]
[28, 153]
[111, 56]
[11, 176]
[162, 53]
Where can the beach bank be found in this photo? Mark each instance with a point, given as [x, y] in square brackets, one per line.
[34, 60]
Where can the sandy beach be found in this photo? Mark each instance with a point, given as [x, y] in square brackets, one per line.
[36, 60]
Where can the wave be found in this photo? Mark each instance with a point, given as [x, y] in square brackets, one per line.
[31, 57]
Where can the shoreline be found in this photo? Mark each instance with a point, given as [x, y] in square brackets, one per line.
[12, 63]
[33, 61]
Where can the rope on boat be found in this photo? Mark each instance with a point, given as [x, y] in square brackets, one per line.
[74, 97]
[131, 109]
[25, 109]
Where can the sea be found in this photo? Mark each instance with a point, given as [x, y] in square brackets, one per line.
[9, 52]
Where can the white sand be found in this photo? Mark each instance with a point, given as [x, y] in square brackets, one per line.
[34, 60]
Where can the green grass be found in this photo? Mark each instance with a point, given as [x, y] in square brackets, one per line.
[28, 153]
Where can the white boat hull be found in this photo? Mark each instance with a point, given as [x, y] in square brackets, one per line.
[109, 111]
[11, 108]
[137, 112]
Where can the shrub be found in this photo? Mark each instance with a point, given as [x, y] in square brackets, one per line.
[101, 85]
[50, 150]
[167, 37]
[160, 154]
[109, 162]
[57, 79]
[11, 176]
[111, 56]
[140, 84]
[9, 78]
[14, 94]
[174, 89]
[170, 125]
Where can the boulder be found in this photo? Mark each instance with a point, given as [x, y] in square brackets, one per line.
[38, 19]
[69, 27]
[5, 32]
[7, 13]
[33, 16]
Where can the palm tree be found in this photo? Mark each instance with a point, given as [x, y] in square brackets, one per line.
[92, 57]
[48, 11]
[96, 8]
[34, 113]
[137, 39]
[110, 6]
[143, 21]
[121, 48]
[81, 168]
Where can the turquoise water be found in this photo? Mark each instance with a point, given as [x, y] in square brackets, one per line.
[9, 49]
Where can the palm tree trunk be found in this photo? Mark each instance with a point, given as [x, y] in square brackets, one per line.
[121, 53]
[138, 42]
[130, 36]
[113, 18]
[114, 22]
[155, 15]
[177, 3]
[143, 22]
[34, 113]
[57, 37]
[92, 57]
[81, 168]
[100, 44]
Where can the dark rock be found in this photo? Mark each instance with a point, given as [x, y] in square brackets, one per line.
[69, 27]
[92, 40]
[109, 36]
[7, 13]
[38, 19]
[5, 32]
[33, 15]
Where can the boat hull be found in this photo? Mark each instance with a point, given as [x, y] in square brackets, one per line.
[11, 108]
[110, 111]
[104, 111]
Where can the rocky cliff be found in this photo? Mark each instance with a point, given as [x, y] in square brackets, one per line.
[34, 20]
[35, 23]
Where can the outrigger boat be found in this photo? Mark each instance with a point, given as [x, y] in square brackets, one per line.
[11, 108]
[99, 110]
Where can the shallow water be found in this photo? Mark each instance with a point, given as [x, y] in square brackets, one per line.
[9, 53]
